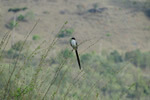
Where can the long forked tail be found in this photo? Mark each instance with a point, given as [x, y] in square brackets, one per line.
[78, 58]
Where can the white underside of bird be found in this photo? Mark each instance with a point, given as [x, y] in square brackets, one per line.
[74, 44]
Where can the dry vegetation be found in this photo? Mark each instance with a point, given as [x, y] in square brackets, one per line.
[124, 20]
[114, 44]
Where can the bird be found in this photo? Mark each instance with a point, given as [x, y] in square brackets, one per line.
[74, 45]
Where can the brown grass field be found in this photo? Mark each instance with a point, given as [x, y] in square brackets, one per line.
[124, 20]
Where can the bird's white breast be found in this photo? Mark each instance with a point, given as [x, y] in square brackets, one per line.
[73, 43]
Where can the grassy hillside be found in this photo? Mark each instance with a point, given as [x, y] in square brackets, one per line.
[35, 74]
[37, 62]
[126, 21]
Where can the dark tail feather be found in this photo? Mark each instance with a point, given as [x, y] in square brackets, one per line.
[78, 59]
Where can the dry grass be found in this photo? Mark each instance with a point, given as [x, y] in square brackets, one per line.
[125, 24]
[116, 28]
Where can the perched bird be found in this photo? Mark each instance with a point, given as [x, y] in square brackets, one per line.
[74, 45]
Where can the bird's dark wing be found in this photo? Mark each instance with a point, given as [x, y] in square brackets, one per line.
[76, 45]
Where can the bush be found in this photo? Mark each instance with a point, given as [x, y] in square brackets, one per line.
[115, 57]
[108, 34]
[17, 46]
[134, 57]
[35, 37]
[66, 32]
[21, 18]
[86, 58]
[65, 54]
[145, 60]
[11, 54]
[15, 10]
[11, 25]
[138, 58]
[10, 51]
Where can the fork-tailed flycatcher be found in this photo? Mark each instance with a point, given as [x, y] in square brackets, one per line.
[74, 45]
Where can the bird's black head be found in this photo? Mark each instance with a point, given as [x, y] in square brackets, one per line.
[73, 38]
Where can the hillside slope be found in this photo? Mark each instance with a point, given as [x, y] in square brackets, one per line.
[122, 23]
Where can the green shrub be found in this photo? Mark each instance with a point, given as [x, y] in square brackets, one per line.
[17, 46]
[108, 34]
[11, 25]
[134, 2]
[145, 60]
[21, 18]
[65, 54]
[138, 58]
[15, 10]
[134, 56]
[66, 32]
[115, 57]
[35, 37]
[86, 58]
[11, 53]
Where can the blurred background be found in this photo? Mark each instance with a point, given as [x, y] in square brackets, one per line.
[36, 61]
